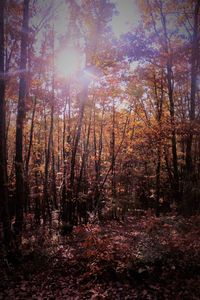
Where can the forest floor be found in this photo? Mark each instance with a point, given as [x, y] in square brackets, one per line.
[140, 258]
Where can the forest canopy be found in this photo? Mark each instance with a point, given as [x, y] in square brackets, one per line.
[99, 149]
[96, 119]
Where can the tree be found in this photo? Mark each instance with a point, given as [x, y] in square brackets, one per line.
[3, 152]
[194, 71]
[19, 161]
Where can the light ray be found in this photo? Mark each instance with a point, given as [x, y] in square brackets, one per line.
[67, 62]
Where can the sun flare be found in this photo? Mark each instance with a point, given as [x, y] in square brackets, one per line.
[67, 62]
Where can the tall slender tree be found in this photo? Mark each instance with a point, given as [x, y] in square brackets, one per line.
[19, 161]
[194, 72]
[3, 153]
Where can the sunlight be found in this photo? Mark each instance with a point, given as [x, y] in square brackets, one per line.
[126, 18]
[67, 62]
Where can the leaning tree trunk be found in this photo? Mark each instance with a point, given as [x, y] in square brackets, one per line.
[3, 153]
[19, 163]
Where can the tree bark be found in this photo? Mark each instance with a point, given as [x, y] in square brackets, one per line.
[171, 102]
[3, 152]
[159, 108]
[82, 182]
[112, 152]
[83, 98]
[194, 69]
[19, 162]
[49, 152]
[27, 203]
[31, 136]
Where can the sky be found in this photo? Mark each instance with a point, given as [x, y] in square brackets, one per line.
[121, 23]
[128, 16]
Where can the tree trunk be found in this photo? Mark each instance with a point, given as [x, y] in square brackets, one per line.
[27, 203]
[159, 110]
[112, 149]
[194, 69]
[49, 152]
[82, 182]
[31, 136]
[171, 104]
[100, 148]
[20, 122]
[66, 153]
[46, 204]
[70, 205]
[3, 153]
[83, 98]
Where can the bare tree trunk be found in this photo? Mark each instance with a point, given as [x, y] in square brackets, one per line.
[81, 183]
[112, 149]
[66, 154]
[49, 152]
[159, 108]
[58, 147]
[63, 186]
[19, 162]
[83, 98]
[117, 151]
[46, 204]
[171, 103]
[100, 148]
[8, 124]
[3, 152]
[27, 204]
[31, 135]
[194, 69]
[55, 205]
[70, 205]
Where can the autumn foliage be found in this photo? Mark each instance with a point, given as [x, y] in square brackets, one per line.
[100, 144]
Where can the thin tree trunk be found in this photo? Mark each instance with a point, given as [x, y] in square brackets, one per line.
[27, 204]
[84, 159]
[46, 203]
[194, 69]
[8, 124]
[70, 205]
[169, 77]
[171, 103]
[3, 152]
[100, 148]
[20, 122]
[83, 98]
[55, 205]
[159, 108]
[169, 171]
[117, 151]
[31, 136]
[58, 147]
[112, 148]
[66, 153]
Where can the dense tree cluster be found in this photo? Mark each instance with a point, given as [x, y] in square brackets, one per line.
[120, 132]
